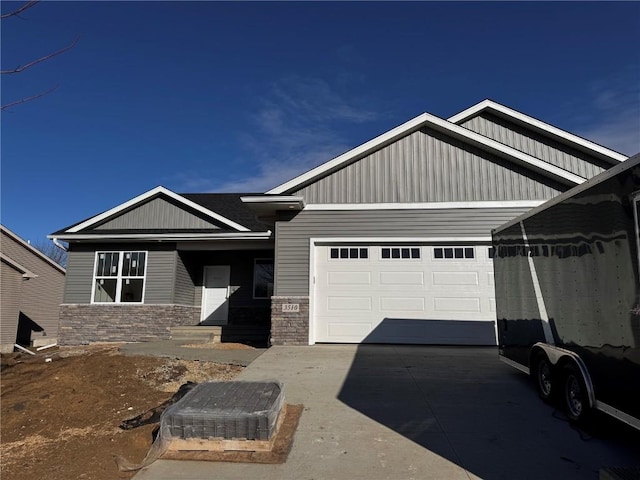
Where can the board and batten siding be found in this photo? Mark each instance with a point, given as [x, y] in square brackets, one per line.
[160, 275]
[536, 145]
[292, 237]
[157, 213]
[428, 166]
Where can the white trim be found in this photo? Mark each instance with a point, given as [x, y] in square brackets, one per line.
[272, 199]
[31, 248]
[119, 277]
[169, 236]
[425, 205]
[601, 177]
[155, 191]
[540, 125]
[448, 128]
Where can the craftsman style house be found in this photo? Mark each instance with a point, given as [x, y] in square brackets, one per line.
[387, 243]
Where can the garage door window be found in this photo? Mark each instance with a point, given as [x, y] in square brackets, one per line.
[400, 253]
[348, 252]
[453, 253]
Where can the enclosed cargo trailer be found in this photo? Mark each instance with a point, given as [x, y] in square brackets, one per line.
[568, 295]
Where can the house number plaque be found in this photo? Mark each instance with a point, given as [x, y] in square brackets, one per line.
[291, 307]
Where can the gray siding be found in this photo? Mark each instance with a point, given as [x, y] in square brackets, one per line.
[39, 296]
[160, 278]
[10, 282]
[156, 214]
[427, 166]
[292, 244]
[535, 144]
[185, 285]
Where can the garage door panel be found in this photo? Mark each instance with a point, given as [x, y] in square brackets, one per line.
[349, 278]
[456, 304]
[398, 304]
[349, 304]
[455, 278]
[401, 278]
[349, 330]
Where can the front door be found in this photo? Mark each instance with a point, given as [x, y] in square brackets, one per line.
[215, 295]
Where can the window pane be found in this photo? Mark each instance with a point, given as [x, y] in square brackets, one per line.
[364, 253]
[468, 253]
[415, 253]
[263, 279]
[132, 290]
[105, 290]
[492, 252]
[395, 253]
[459, 253]
[334, 253]
[386, 253]
[344, 253]
[107, 264]
[437, 253]
[353, 253]
[406, 253]
[448, 253]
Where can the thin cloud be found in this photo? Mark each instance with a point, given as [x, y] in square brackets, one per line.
[299, 126]
[617, 106]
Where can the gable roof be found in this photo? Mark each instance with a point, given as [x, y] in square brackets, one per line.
[547, 130]
[31, 249]
[443, 126]
[190, 203]
[231, 206]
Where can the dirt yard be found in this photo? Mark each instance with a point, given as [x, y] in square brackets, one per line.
[60, 419]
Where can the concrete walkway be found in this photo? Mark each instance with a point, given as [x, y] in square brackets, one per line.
[409, 412]
[175, 349]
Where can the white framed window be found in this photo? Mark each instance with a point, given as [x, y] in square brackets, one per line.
[263, 278]
[119, 277]
[336, 253]
[454, 253]
[399, 253]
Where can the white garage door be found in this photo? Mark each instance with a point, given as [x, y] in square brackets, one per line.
[426, 294]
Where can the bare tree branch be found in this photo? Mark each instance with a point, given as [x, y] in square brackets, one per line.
[28, 99]
[16, 13]
[22, 68]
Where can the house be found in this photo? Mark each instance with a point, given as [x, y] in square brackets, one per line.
[387, 243]
[32, 287]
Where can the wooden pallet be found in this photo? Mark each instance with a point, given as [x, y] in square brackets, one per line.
[274, 450]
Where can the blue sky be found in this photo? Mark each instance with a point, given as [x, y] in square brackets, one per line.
[214, 96]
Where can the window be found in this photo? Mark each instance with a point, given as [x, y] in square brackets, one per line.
[351, 252]
[400, 252]
[119, 277]
[456, 253]
[263, 278]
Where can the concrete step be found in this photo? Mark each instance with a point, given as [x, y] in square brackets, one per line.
[198, 333]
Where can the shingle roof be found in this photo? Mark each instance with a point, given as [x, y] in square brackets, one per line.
[229, 206]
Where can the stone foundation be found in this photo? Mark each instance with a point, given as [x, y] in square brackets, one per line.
[289, 327]
[82, 324]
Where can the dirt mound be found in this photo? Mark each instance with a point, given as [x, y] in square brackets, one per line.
[60, 419]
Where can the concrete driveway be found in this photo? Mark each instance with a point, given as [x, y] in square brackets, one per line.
[417, 412]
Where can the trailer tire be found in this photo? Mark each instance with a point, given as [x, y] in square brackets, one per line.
[543, 377]
[574, 393]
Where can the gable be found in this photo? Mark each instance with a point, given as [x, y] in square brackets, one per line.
[429, 166]
[533, 142]
[159, 213]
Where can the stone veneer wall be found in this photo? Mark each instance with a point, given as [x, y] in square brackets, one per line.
[81, 324]
[289, 328]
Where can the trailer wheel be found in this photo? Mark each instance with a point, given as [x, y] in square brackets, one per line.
[543, 377]
[576, 402]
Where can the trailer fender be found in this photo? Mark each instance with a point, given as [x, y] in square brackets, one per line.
[559, 356]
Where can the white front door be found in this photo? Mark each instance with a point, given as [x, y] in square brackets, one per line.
[215, 295]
